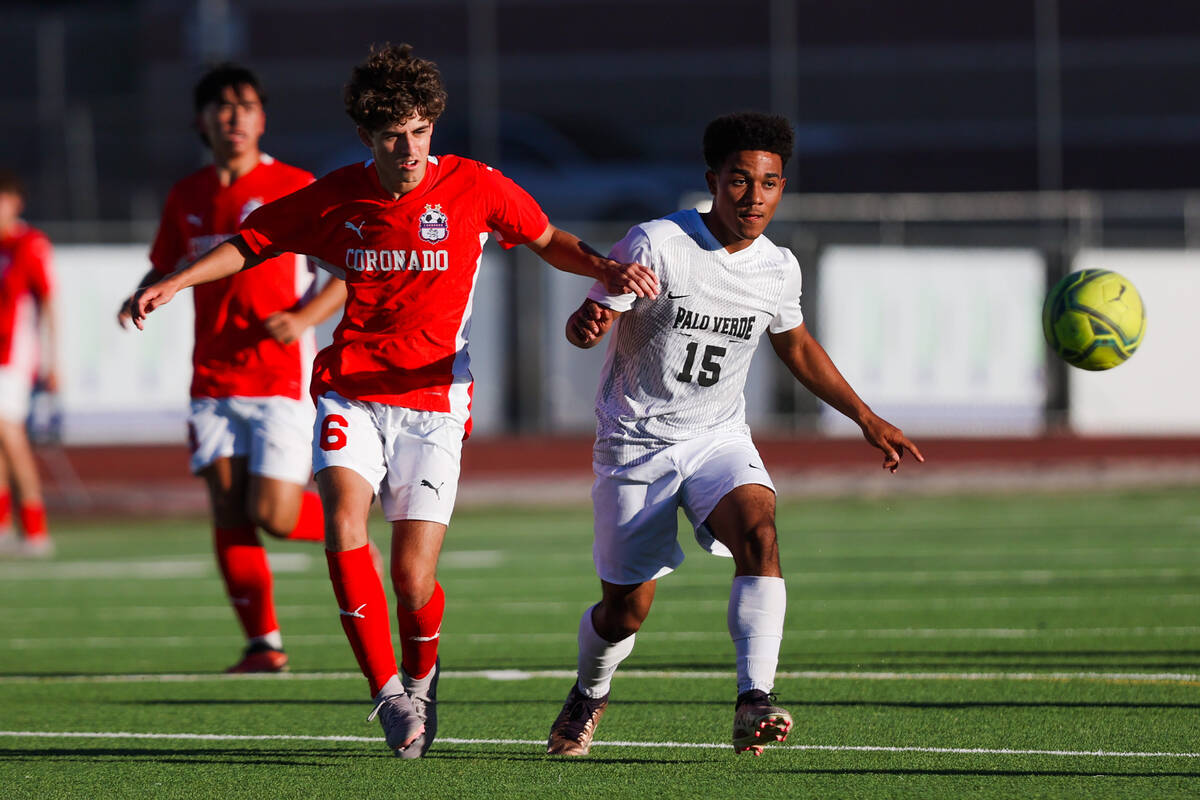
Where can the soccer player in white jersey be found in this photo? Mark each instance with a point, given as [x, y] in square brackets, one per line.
[671, 429]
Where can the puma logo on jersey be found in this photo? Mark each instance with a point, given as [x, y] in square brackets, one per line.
[355, 613]
[195, 220]
[356, 228]
[436, 489]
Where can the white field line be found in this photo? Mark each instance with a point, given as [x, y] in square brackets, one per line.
[898, 577]
[204, 568]
[524, 675]
[528, 606]
[488, 581]
[539, 743]
[91, 642]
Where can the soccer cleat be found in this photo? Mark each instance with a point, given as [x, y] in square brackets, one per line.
[260, 658]
[401, 725]
[756, 722]
[423, 695]
[13, 546]
[572, 732]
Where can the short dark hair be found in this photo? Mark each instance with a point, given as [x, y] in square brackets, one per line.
[747, 130]
[393, 86]
[11, 183]
[222, 76]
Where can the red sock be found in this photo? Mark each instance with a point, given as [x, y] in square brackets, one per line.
[33, 520]
[364, 613]
[419, 633]
[311, 525]
[5, 508]
[243, 563]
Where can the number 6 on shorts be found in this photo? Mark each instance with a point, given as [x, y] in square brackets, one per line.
[333, 432]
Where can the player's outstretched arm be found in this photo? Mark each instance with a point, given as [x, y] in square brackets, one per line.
[222, 261]
[123, 313]
[568, 252]
[288, 326]
[48, 370]
[813, 367]
[589, 323]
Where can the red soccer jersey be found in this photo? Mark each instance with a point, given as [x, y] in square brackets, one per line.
[233, 355]
[26, 281]
[410, 265]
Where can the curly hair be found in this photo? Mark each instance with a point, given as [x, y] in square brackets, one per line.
[746, 130]
[392, 86]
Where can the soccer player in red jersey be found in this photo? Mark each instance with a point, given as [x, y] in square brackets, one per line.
[250, 427]
[393, 390]
[26, 314]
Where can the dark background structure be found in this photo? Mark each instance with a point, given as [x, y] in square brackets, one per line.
[598, 106]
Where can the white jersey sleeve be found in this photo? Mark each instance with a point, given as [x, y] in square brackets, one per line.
[790, 315]
[635, 247]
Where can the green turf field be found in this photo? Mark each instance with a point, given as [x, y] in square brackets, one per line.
[981, 647]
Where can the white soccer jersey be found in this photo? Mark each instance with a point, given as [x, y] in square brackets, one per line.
[676, 365]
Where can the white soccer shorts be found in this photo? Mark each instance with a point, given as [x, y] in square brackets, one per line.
[635, 508]
[273, 433]
[16, 386]
[409, 457]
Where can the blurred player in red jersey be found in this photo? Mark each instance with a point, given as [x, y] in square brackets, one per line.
[250, 427]
[26, 315]
[393, 390]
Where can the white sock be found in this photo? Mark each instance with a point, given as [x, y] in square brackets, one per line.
[756, 609]
[598, 657]
[274, 640]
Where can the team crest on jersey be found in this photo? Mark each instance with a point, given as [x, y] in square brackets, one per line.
[248, 209]
[432, 225]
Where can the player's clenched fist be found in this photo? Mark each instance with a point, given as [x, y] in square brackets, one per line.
[589, 323]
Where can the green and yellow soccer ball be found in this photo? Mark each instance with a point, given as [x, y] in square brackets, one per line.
[1094, 319]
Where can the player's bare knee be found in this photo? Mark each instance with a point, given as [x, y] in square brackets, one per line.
[271, 519]
[270, 525]
[760, 548]
[413, 588]
[619, 619]
[344, 529]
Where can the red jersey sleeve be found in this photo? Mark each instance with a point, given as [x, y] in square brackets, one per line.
[287, 225]
[170, 245]
[514, 216]
[41, 270]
